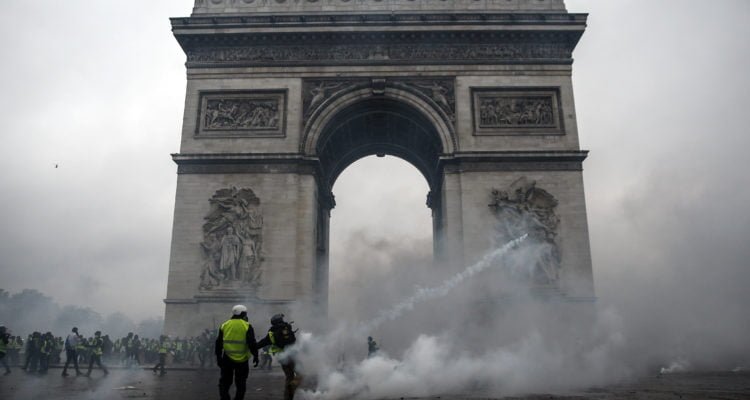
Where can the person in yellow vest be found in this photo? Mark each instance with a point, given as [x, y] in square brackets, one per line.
[280, 337]
[96, 345]
[163, 350]
[234, 345]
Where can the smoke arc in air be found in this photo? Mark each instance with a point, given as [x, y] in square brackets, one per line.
[423, 294]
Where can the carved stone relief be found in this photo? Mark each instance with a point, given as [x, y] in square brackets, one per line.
[516, 111]
[315, 92]
[523, 208]
[232, 241]
[439, 92]
[367, 53]
[252, 113]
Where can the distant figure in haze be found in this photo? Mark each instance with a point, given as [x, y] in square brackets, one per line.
[71, 344]
[97, 349]
[163, 350]
[265, 359]
[4, 340]
[372, 347]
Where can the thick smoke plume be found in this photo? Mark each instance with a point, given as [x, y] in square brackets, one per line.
[456, 343]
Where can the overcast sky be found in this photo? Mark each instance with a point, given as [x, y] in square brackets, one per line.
[92, 101]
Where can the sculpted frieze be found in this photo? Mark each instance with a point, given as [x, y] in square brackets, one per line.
[523, 208]
[251, 113]
[510, 111]
[232, 241]
[393, 49]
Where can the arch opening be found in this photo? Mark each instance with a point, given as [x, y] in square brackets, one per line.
[379, 126]
[368, 249]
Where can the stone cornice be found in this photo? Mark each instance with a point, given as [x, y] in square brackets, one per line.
[240, 23]
[378, 39]
[514, 161]
[239, 163]
[224, 7]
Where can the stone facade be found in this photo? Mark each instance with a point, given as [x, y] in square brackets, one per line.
[283, 95]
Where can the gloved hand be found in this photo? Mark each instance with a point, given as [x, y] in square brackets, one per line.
[255, 361]
[218, 361]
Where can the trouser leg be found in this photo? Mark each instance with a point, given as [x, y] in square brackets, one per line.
[162, 362]
[4, 362]
[290, 380]
[34, 363]
[91, 365]
[98, 359]
[43, 363]
[225, 381]
[241, 371]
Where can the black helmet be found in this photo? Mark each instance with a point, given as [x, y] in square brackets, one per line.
[75, 329]
[277, 319]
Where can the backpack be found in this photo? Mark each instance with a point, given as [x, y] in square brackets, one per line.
[283, 334]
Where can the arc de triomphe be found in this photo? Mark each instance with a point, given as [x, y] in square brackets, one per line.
[283, 95]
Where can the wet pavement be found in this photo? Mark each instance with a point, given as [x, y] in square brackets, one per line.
[189, 384]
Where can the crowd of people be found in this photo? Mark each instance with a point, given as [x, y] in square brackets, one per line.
[233, 345]
[36, 352]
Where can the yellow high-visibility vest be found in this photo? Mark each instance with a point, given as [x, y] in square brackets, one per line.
[235, 339]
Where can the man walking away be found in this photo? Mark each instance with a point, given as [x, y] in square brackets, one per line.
[234, 345]
[4, 340]
[71, 344]
[96, 353]
[281, 336]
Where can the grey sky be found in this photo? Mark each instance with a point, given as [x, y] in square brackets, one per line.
[97, 87]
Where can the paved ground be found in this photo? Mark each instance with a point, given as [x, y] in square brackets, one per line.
[197, 384]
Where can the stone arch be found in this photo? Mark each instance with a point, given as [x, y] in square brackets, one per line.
[360, 122]
[322, 117]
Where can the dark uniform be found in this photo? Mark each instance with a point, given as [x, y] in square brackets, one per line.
[4, 341]
[234, 345]
[278, 338]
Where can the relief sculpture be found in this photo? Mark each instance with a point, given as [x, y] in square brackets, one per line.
[241, 114]
[232, 240]
[515, 111]
[523, 208]
[247, 113]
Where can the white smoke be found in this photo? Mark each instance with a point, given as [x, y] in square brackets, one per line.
[527, 346]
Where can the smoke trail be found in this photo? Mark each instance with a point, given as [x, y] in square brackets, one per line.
[424, 294]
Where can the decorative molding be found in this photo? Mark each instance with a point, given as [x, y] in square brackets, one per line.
[312, 6]
[232, 242]
[514, 161]
[378, 48]
[242, 114]
[523, 208]
[517, 111]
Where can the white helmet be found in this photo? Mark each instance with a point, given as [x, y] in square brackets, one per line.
[239, 309]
